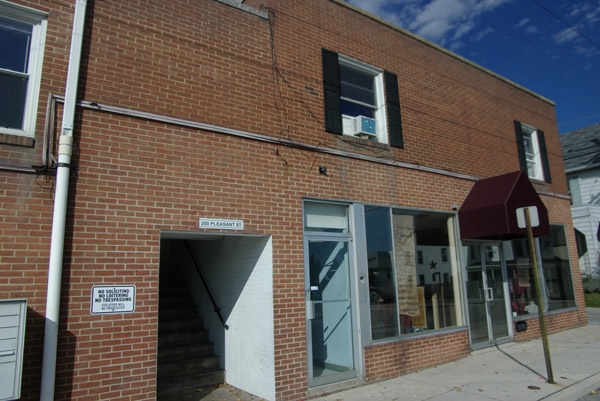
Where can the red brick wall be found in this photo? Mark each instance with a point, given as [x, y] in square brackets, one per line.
[384, 361]
[555, 322]
[210, 63]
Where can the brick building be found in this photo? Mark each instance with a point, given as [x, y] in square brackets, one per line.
[300, 168]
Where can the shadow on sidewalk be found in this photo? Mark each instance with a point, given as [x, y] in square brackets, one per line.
[520, 363]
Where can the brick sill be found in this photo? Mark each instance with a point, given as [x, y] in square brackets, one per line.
[366, 142]
[17, 140]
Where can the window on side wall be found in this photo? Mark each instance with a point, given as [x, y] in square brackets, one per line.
[22, 33]
[533, 156]
[574, 191]
[361, 100]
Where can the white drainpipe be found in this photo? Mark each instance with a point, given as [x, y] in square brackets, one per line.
[63, 171]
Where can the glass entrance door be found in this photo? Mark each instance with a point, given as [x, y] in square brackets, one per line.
[331, 342]
[486, 295]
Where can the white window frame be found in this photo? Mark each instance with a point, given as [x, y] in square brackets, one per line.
[39, 22]
[574, 190]
[533, 155]
[379, 106]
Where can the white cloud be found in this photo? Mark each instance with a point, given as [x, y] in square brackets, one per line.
[529, 27]
[481, 34]
[522, 23]
[372, 6]
[567, 35]
[531, 30]
[442, 21]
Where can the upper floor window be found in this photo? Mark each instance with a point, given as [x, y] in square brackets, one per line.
[574, 191]
[22, 32]
[361, 100]
[533, 156]
[444, 254]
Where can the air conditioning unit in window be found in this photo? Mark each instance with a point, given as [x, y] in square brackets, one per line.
[364, 126]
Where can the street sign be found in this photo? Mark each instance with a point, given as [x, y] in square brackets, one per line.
[223, 224]
[533, 216]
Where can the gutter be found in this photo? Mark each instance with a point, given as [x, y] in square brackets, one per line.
[65, 150]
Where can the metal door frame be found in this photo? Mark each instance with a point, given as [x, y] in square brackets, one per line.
[354, 305]
[491, 339]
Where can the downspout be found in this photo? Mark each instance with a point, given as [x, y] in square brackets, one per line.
[65, 150]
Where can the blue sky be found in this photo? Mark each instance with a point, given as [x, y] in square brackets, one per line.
[551, 47]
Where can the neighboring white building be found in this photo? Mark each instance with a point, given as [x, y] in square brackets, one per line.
[581, 153]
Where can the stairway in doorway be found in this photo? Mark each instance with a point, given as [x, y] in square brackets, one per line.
[185, 354]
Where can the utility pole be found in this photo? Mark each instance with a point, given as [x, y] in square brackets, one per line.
[540, 298]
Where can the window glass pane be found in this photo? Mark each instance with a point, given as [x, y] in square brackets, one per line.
[557, 269]
[556, 272]
[325, 217]
[353, 110]
[411, 274]
[382, 280]
[528, 145]
[574, 191]
[357, 85]
[12, 108]
[15, 42]
[435, 295]
[521, 283]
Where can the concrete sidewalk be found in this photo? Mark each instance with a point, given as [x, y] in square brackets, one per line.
[513, 371]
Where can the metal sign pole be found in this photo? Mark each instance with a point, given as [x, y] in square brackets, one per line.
[540, 298]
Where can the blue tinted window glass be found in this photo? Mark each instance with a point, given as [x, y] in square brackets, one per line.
[353, 110]
[12, 107]
[15, 43]
[357, 85]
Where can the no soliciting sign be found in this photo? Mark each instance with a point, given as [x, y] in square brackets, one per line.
[113, 299]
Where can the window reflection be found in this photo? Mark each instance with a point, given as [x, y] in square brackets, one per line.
[437, 292]
[556, 271]
[410, 272]
[382, 279]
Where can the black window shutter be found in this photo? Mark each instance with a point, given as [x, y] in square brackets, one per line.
[520, 146]
[392, 100]
[332, 92]
[544, 154]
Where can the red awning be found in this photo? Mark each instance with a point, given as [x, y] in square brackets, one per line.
[490, 209]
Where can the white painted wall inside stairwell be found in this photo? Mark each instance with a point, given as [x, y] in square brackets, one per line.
[239, 272]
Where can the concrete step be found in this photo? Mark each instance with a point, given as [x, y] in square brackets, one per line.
[178, 368]
[167, 326]
[182, 338]
[166, 354]
[187, 382]
[185, 355]
[177, 312]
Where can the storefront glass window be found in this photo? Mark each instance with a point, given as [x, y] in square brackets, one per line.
[557, 269]
[554, 263]
[382, 277]
[436, 297]
[411, 274]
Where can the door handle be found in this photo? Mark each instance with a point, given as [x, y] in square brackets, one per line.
[490, 294]
[310, 310]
